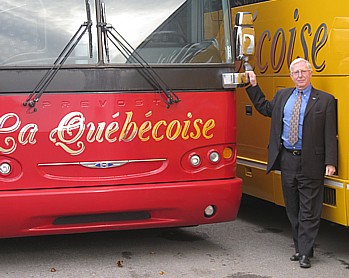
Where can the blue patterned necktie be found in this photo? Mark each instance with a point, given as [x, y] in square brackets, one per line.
[293, 133]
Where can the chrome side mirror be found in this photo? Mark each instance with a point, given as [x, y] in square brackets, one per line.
[244, 36]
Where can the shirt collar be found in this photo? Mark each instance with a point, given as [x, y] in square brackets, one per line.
[306, 91]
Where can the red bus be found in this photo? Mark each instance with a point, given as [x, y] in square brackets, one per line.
[116, 115]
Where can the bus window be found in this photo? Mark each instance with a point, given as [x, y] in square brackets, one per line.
[34, 32]
[178, 32]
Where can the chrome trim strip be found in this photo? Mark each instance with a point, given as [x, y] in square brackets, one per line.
[261, 166]
[256, 165]
[334, 183]
[102, 164]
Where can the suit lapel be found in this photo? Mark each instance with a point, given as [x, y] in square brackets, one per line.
[313, 98]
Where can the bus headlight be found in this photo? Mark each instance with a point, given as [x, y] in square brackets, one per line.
[214, 157]
[5, 168]
[195, 160]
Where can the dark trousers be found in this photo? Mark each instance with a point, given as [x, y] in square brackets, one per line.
[303, 199]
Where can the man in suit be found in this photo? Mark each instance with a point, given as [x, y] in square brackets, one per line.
[303, 146]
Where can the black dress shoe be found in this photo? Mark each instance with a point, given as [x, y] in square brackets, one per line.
[295, 257]
[304, 262]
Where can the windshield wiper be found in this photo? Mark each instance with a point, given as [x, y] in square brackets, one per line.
[35, 95]
[125, 48]
[89, 27]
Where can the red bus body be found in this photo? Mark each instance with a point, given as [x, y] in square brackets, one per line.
[46, 184]
[97, 154]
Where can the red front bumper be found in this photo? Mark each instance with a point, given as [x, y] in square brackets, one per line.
[76, 210]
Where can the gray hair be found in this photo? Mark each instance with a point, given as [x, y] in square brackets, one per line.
[298, 60]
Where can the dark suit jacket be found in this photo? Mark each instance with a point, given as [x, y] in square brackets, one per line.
[319, 142]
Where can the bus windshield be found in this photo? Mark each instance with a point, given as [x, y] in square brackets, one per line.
[34, 32]
[170, 31]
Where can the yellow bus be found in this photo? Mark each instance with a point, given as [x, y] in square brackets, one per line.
[315, 30]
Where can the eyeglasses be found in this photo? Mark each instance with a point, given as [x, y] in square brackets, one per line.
[302, 72]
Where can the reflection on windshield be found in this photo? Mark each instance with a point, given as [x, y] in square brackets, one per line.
[135, 21]
[34, 32]
[170, 31]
